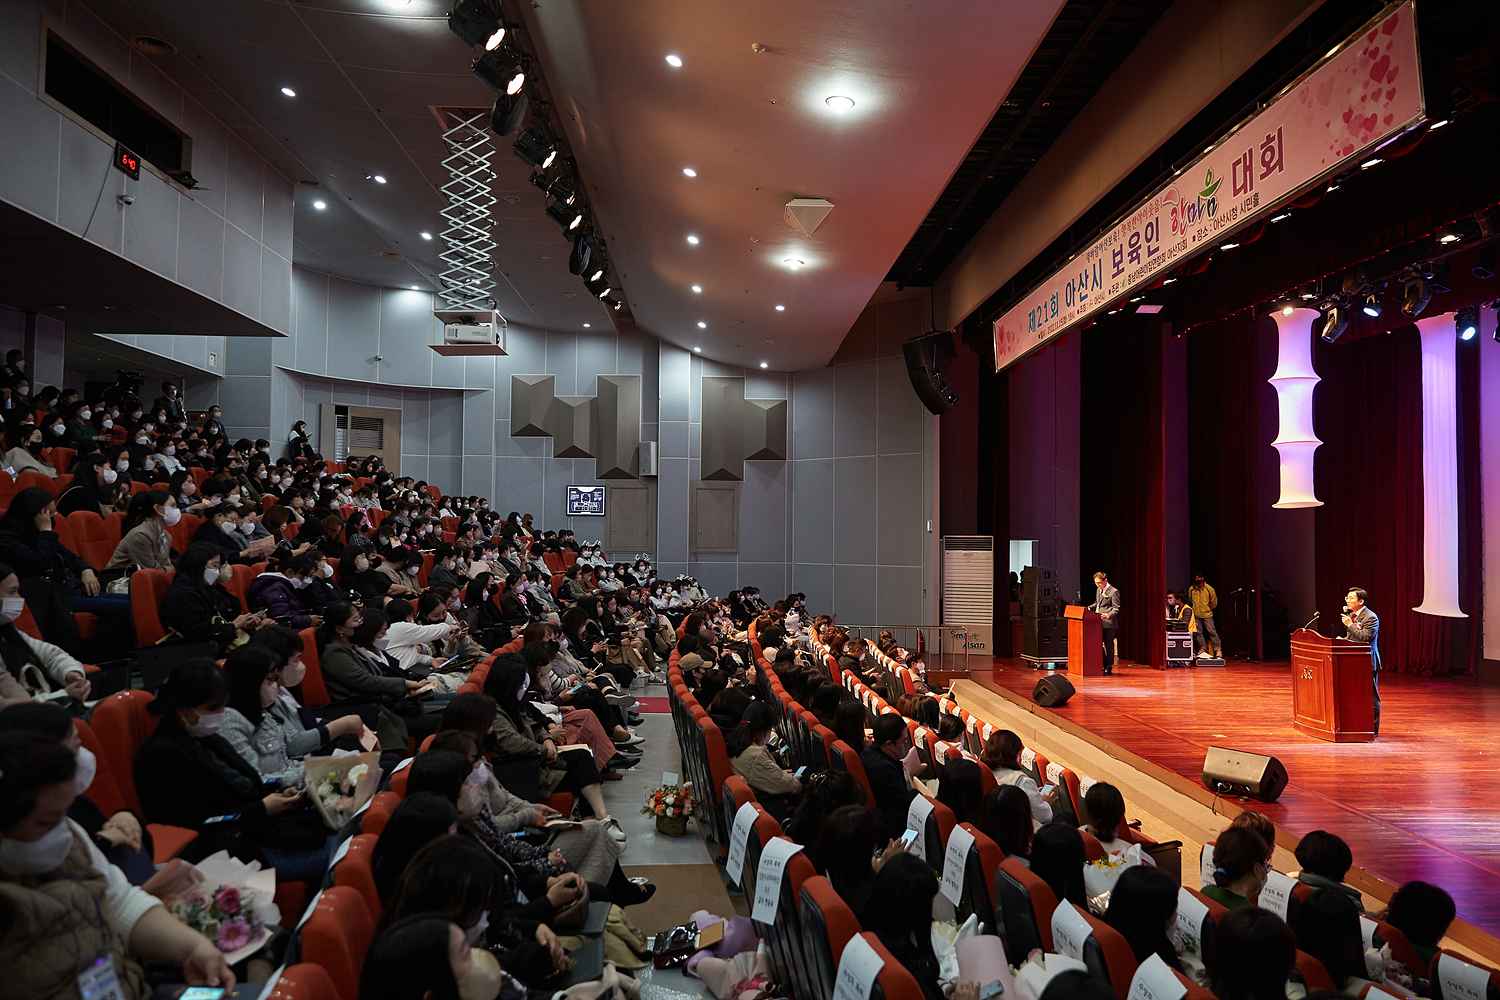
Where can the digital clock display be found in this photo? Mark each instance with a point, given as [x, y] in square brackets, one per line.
[127, 162]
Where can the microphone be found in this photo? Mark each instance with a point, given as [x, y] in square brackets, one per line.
[1316, 615]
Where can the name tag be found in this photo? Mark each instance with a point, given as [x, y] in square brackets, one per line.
[773, 861]
[1460, 980]
[1154, 981]
[954, 862]
[99, 981]
[739, 835]
[1186, 931]
[1069, 930]
[916, 819]
[859, 967]
[1277, 894]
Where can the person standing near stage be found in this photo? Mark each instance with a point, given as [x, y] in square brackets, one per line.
[1204, 600]
[1107, 606]
[1363, 625]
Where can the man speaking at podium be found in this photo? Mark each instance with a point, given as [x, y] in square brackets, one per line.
[1363, 625]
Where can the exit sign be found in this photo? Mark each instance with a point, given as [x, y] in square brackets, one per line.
[127, 162]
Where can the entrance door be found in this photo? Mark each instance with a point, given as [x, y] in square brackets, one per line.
[361, 431]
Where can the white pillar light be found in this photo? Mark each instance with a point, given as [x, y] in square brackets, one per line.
[1439, 467]
[1294, 382]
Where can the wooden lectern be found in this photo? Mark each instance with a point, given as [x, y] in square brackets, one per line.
[1332, 695]
[1085, 642]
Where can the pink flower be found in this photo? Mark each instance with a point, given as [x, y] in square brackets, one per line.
[233, 935]
[227, 899]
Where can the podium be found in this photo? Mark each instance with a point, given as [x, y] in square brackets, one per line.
[1332, 695]
[1085, 642]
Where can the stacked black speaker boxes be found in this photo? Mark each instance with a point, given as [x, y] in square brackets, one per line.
[1044, 633]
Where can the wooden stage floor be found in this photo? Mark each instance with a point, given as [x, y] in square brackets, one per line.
[1422, 802]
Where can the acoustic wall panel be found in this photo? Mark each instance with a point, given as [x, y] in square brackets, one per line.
[735, 429]
[530, 400]
[605, 427]
[617, 426]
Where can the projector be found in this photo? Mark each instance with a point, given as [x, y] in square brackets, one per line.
[471, 326]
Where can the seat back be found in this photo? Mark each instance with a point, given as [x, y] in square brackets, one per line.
[940, 823]
[1109, 956]
[183, 531]
[304, 981]
[894, 982]
[356, 871]
[1450, 968]
[379, 813]
[122, 724]
[1313, 973]
[1024, 905]
[314, 689]
[240, 579]
[843, 758]
[827, 926]
[148, 587]
[980, 868]
[336, 937]
[104, 792]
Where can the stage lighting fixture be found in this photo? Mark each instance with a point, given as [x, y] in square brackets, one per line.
[501, 72]
[597, 280]
[536, 147]
[508, 113]
[1484, 265]
[556, 188]
[496, 39]
[1466, 323]
[581, 254]
[617, 304]
[1371, 306]
[475, 21]
[566, 216]
[1415, 294]
[1334, 322]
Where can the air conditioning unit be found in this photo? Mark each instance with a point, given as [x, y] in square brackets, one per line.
[471, 333]
[969, 589]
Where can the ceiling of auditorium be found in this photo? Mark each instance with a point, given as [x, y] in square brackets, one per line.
[746, 110]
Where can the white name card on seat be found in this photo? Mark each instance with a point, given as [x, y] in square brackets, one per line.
[916, 819]
[403, 765]
[1276, 895]
[1154, 980]
[1376, 993]
[1460, 980]
[339, 852]
[773, 859]
[859, 967]
[1367, 931]
[1206, 866]
[739, 836]
[1186, 931]
[670, 779]
[954, 861]
[1070, 932]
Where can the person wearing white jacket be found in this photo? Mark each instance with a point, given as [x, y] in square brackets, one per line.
[31, 666]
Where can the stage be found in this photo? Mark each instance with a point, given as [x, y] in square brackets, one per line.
[1421, 802]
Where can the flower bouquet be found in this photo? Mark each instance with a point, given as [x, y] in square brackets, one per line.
[230, 903]
[341, 785]
[671, 805]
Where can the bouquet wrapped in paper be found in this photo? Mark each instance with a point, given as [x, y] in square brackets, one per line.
[230, 902]
[339, 786]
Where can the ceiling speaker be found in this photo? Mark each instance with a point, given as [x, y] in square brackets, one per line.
[925, 357]
[806, 214]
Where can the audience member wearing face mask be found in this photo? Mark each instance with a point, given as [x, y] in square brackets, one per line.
[198, 606]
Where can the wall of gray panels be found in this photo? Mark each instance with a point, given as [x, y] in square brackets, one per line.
[230, 239]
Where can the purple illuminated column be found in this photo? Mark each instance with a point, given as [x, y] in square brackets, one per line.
[1439, 467]
[1294, 382]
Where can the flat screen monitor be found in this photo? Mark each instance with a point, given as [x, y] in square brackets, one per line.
[585, 501]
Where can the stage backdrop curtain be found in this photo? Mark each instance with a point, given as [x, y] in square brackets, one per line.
[1123, 491]
[1368, 411]
[1224, 392]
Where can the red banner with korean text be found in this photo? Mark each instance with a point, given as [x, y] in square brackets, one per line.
[1364, 93]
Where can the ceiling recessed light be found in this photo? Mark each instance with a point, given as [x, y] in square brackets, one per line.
[697, 289]
[674, 60]
[839, 104]
[1374, 161]
[689, 172]
[377, 178]
[780, 308]
[1282, 217]
[1448, 238]
[702, 325]
[1228, 246]
[692, 239]
[1168, 281]
[320, 204]
[697, 350]
[1287, 310]
[588, 326]
[764, 365]
[794, 263]
[1437, 124]
[414, 288]
[288, 92]
[426, 236]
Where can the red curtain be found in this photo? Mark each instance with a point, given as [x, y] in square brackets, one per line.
[1123, 492]
[1368, 412]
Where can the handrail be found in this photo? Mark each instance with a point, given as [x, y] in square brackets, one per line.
[939, 643]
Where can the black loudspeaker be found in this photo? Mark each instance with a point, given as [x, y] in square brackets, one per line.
[925, 356]
[1044, 637]
[1039, 596]
[1239, 772]
[1052, 691]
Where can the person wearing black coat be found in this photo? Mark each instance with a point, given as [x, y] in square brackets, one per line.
[515, 610]
[92, 488]
[358, 575]
[169, 404]
[187, 774]
[279, 593]
[888, 780]
[200, 610]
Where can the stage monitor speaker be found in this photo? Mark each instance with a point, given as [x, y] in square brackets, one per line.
[1239, 772]
[1052, 691]
[925, 356]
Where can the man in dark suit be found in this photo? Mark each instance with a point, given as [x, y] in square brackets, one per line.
[1363, 625]
[1107, 606]
[888, 780]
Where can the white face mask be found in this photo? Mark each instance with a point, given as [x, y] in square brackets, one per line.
[123, 465]
[525, 686]
[171, 449]
[88, 767]
[474, 935]
[229, 527]
[109, 476]
[247, 527]
[148, 465]
[361, 564]
[59, 429]
[210, 575]
[297, 582]
[107, 424]
[327, 571]
[11, 608]
[37, 857]
[207, 725]
[85, 414]
[171, 515]
[292, 673]
[413, 570]
[142, 439]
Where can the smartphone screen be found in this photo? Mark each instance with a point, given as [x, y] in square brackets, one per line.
[1048, 789]
[993, 988]
[201, 993]
[801, 771]
[908, 838]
